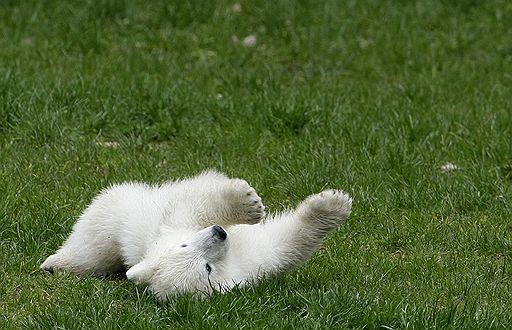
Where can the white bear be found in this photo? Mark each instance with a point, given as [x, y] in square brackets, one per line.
[198, 235]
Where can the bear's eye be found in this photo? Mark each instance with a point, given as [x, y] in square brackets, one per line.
[183, 245]
[208, 268]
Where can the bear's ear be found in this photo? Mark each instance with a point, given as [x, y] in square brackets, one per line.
[141, 273]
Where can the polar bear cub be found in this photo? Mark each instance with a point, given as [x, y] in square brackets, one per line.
[199, 235]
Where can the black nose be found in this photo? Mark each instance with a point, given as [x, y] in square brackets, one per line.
[219, 232]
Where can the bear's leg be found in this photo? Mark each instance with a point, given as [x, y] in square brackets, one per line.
[323, 212]
[91, 248]
[235, 203]
[212, 198]
[290, 239]
[83, 260]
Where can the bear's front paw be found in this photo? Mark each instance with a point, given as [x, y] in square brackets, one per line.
[244, 203]
[330, 207]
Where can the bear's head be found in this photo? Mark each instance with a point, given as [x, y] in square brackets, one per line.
[187, 266]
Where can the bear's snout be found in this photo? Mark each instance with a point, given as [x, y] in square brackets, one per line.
[219, 232]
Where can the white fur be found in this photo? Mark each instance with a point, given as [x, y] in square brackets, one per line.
[169, 236]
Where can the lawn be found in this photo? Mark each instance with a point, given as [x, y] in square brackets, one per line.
[369, 96]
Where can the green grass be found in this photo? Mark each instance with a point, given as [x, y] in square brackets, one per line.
[368, 96]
